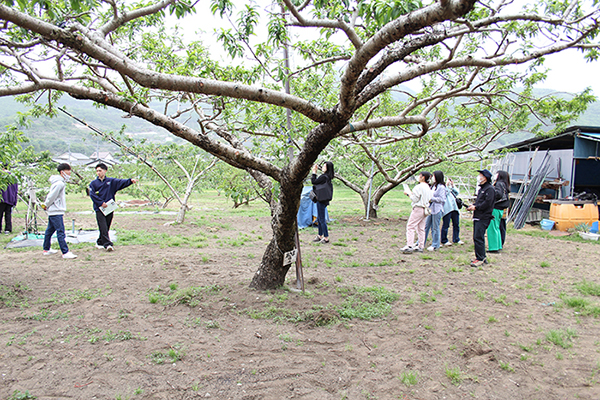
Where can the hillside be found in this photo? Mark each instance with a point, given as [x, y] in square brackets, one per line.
[62, 133]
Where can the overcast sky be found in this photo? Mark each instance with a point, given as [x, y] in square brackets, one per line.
[571, 73]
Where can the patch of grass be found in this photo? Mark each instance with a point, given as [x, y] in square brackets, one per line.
[561, 337]
[455, 375]
[506, 366]
[14, 295]
[119, 336]
[501, 299]
[174, 354]
[129, 237]
[588, 288]
[75, 295]
[581, 305]
[190, 296]
[409, 378]
[17, 395]
[426, 297]
[47, 315]
[366, 302]
[544, 264]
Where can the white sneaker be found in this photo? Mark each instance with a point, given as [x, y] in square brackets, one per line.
[99, 247]
[407, 249]
[109, 248]
[431, 248]
[448, 244]
[460, 242]
[48, 252]
[69, 255]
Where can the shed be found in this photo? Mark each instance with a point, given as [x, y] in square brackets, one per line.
[574, 169]
[575, 161]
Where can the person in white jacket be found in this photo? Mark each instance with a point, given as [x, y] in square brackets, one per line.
[56, 206]
[419, 197]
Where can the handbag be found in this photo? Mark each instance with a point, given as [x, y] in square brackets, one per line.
[459, 202]
[427, 211]
[323, 191]
[313, 196]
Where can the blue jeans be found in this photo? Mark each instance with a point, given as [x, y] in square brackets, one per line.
[453, 216]
[56, 224]
[433, 223]
[321, 219]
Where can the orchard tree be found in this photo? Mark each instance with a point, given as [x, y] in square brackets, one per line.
[379, 160]
[119, 54]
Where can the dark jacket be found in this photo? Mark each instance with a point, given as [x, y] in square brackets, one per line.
[9, 195]
[484, 204]
[322, 180]
[104, 191]
[501, 192]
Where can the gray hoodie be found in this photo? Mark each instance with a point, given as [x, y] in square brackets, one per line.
[56, 202]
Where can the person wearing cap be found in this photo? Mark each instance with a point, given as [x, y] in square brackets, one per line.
[482, 215]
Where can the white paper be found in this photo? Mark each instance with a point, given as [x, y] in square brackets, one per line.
[406, 188]
[290, 257]
[110, 207]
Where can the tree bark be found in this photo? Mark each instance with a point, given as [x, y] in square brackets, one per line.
[271, 272]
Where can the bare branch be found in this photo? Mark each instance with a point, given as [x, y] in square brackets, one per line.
[301, 21]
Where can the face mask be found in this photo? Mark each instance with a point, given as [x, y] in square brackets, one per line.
[66, 177]
[479, 180]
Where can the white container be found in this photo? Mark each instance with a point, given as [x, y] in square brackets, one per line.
[589, 235]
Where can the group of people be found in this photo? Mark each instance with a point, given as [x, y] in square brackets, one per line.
[102, 191]
[434, 202]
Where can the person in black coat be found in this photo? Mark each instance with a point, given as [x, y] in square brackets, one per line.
[323, 187]
[482, 215]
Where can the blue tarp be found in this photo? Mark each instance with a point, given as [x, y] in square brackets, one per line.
[307, 212]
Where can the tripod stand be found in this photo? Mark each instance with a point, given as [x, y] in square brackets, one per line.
[31, 219]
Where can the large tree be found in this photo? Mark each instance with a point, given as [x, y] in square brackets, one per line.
[118, 54]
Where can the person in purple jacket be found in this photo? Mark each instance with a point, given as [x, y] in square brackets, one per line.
[103, 190]
[9, 200]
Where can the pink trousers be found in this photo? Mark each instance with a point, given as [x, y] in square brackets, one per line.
[416, 222]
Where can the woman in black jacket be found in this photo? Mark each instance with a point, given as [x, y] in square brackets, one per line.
[323, 187]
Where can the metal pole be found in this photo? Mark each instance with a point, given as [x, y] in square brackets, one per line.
[288, 117]
[370, 190]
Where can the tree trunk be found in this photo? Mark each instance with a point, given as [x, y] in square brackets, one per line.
[271, 272]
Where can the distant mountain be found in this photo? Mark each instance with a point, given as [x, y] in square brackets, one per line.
[62, 133]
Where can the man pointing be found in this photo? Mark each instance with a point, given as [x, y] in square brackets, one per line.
[102, 191]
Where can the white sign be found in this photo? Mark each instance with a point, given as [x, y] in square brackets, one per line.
[290, 257]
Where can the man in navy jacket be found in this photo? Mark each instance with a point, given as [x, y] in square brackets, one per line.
[103, 190]
[482, 215]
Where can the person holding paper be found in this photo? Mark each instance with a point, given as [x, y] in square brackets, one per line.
[102, 193]
[419, 198]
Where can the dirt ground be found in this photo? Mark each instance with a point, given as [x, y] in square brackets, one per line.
[151, 321]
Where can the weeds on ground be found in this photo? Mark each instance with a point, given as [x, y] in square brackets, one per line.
[409, 378]
[75, 295]
[581, 305]
[190, 296]
[588, 288]
[174, 354]
[17, 395]
[13, 295]
[561, 337]
[455, 375]
[366, 303]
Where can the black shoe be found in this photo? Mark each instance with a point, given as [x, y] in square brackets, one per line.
[317, 239]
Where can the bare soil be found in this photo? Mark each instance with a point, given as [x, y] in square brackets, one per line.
[87, 328]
